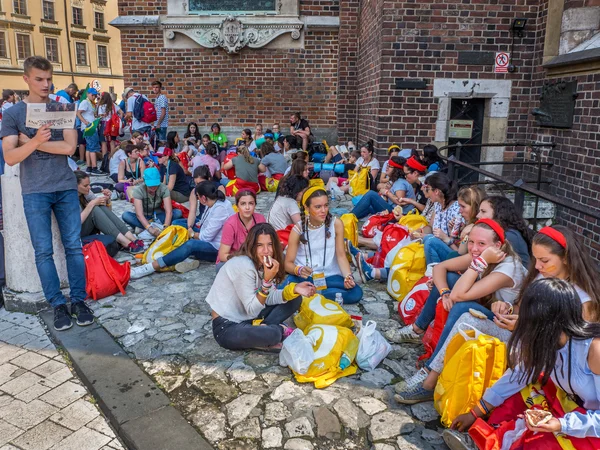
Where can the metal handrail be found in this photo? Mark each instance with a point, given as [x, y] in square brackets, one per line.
[519, 185]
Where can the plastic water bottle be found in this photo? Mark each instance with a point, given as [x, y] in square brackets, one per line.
[344, 361]
[339, 299]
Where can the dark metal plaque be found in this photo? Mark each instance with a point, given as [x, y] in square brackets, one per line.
[402, 83]
[476, 58]
[199, 6]
[557, 105]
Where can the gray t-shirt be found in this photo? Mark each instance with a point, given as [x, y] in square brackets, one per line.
[275, 162]
[245, 170]
[40, 172]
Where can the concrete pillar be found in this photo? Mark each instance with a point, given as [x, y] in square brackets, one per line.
[23, 290]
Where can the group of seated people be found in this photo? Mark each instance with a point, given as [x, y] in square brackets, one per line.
[538, 291]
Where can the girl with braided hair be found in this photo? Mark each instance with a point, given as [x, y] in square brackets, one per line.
[316, 252]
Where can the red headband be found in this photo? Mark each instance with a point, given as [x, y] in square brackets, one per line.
[494, 226]
[395, 165]
[414, 164]
[555, 235]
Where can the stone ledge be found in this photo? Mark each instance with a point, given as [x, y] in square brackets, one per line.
[135, 21]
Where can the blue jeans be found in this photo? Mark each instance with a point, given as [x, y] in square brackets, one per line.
[335, 284]
[38, 212]
[131, 219]
[184, 223]
[458, 309]
[370, 203]
[146, 129]
[202, 250]
[428, 311]
[436, 250]
[92, 143]
[161, 133]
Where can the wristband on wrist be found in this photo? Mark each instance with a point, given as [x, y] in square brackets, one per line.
[478, 265]
[483, 407]
[474, 414]
[444, 291]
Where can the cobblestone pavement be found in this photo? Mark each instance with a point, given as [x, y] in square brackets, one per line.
[245, 400]
[42, 404]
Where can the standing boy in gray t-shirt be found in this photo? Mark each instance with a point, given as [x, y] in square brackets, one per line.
[48, 185]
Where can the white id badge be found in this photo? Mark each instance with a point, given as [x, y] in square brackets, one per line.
[319, 281]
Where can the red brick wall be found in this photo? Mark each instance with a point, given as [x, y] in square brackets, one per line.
[347, 71]
[254, 86]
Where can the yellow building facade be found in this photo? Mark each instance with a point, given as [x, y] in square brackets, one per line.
[73, 34]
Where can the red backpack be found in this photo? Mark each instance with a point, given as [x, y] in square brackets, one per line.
[104, 276]
[392, 234]
[144, 110]
[376, 222]
[410, 307]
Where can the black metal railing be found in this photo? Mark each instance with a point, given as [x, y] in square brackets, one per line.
[521, 186]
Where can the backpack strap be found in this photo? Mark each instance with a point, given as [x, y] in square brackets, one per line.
[110, 271]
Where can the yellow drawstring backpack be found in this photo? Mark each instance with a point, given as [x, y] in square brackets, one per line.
[168, 240]
[329, 344]
[318, 310]
[408, 267]
[413, 221]
[359, 181]
[350, 227]
[474, 361]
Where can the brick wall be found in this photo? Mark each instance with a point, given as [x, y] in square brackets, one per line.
[421, 40]
[255, 86]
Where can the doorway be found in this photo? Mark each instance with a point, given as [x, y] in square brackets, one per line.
[466, 127]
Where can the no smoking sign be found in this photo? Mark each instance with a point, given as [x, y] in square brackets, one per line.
[501, 62]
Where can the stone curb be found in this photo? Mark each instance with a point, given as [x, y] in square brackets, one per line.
[140, 412]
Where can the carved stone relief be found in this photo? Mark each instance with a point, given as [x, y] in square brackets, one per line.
[232, 34]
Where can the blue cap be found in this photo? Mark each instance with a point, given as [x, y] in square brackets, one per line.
[92, 91]
[269, 135]
[151, 177]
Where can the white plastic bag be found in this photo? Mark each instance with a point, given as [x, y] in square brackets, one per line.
[297, 352]
[372, 348]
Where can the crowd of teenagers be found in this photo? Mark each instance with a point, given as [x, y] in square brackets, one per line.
[538, 292]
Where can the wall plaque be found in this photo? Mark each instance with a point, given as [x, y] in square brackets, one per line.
[476, 58]
[557, 105]
[227, 6]
[410, 83]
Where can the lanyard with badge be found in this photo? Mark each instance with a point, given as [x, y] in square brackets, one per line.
[318, 277]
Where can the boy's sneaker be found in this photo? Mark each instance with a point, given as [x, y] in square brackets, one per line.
[416, 380]
[88, 169]
[351, 250]
[417, 394]
[95, 172]
[186, 265]
[141, 271]
[134, 248]
[364, 268]
[84, 315]
[62, 318]
[403, 335]
[458, 441]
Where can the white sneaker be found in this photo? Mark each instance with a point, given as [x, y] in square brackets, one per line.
[416, 380]
[141, 271]
[186, 265]
[404, 334]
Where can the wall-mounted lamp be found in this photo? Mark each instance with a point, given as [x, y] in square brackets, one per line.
[518, 26]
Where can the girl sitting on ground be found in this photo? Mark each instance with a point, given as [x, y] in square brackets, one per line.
[384, 179]
[208, 159]
[503, 211]
[273, 165]
[447, 220]
[237, 226]
[131, 170]
[152, 205]
[316, 252]
[97, 217]
[490, 270]
[202, 245]
[367, 159]
[245, 292]
[299, 164]
[402, 177]
[432, 159]
[558, 253]
[173, 176]
[246, 171]
[440, 247]
[285, 210]
[554, 345]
